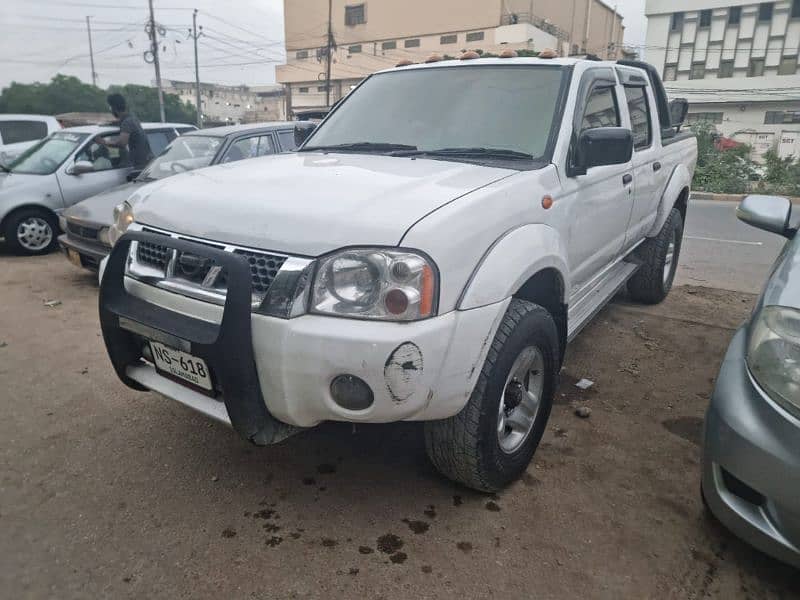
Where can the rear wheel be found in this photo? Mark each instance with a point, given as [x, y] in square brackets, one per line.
[492, 440]
[31, 231]
[659, 255]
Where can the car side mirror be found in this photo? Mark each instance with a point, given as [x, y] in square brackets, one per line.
[80, 167]
[301, 134]
[770, 213]
[678, 108]
[603, 146]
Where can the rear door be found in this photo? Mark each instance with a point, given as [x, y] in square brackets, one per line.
[108, 172]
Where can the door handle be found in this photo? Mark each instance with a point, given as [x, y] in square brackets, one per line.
[656, 166]
[627, 178]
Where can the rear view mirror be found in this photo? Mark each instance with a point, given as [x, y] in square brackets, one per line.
[603, 146]
[770, 213]
[80, 167]
[133, 174]
[677, 112]
[301, 134]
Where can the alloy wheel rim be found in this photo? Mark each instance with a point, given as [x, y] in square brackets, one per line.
[521, 399]
[669, 259]
[34, 234]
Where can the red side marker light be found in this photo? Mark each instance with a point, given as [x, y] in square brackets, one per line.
[547, 202]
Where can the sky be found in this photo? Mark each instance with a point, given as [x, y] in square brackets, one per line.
[241, 44]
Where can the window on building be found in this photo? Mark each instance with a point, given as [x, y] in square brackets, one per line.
[355, 15]
[780, 117]
[765, 11]
[788, 65]
[795, 14]
[734, 15]
[601, 109]
[389, 45]
[725, 69]
[698, 71]
[475, 36]
[756, 68]
[303, 90]
[453, 38]
[300, 54]
[705, 18]
[706, 117]
[676, 23]
[640, 116]
[670, 72]
[354, 49]
[322, 88]
[411, 43]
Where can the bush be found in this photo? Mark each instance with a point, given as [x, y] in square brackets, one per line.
[726, 172]
[781, 175]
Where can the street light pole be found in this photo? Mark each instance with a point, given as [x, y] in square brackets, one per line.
[197, 71]
[328, 67]
[154, 43]
[91, 52]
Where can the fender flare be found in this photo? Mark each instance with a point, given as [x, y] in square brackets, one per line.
[514, 258]
[679, 180]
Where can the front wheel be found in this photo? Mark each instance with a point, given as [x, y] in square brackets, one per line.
[492, 440]
[31, 231]
[659, 255]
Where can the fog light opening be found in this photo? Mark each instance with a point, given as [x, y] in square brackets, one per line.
[351, 392]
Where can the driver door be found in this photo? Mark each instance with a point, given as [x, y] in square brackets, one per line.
[107, 172]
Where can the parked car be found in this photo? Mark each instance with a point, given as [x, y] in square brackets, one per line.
[425, 255]
[87, 223]
[20, 132]
[57, 172]
[751, 451]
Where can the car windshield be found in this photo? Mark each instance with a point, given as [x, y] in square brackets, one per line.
[46, 156]
[183, 154]
[463, 111]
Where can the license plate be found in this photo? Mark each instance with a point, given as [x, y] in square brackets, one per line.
[181, 365]
[74, 257]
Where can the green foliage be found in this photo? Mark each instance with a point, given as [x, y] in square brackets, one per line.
[781, 175]
[725, 172]
[68, 94]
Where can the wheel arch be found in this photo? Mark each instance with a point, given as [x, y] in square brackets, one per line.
[676, 195]
[27, 206]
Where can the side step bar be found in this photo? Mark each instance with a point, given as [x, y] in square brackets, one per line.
[588, 306]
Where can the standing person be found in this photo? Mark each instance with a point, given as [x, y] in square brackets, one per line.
[131, 134]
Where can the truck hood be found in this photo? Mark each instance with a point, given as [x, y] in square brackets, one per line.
[308, 203]
[99, 209]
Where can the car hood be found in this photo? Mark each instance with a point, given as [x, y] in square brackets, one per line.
[100, 208]
[308, 203]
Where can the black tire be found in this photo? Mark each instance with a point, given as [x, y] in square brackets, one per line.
[650, 284]
[466, 447]
[38, 215]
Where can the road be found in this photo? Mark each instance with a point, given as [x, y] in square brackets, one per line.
[722, 252]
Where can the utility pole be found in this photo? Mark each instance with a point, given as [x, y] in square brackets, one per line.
[612, 43]
[328, 67]
[195, 35]
[154, 46]
[91, 52]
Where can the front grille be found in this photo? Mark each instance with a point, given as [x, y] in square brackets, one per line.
[263, 268]
[151, 254]
[89, 233]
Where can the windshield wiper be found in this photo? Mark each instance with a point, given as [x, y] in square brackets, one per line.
[476, 152]
[362, 147]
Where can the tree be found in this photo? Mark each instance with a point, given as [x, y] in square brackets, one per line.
[727, 171]
[143, 101]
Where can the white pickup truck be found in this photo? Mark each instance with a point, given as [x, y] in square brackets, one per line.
[425, 256]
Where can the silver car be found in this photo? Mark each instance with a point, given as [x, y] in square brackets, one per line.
[62, 169]
[751, 455]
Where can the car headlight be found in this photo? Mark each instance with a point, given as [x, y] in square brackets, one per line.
[375, 283]
[123, 217]
[104, 236]
[773, 354]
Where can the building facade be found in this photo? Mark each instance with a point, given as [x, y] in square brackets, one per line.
[228, 104]
[737, 64]
[376, 34]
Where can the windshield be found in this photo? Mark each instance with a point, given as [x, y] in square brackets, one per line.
[183, 154]
[477, 107]
[46, 156]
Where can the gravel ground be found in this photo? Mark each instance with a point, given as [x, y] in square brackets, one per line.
[106, 492]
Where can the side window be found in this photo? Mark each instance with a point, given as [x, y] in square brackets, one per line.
[158, 140]
[601, 109]
[286, 139]
[102, 157]
[240, 149]
[266, 145]
[14, 132]
[640, 116]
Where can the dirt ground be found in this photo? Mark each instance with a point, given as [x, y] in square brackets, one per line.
[106, 492]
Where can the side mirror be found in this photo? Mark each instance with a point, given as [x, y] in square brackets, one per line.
[770, 213]
[133, 174]
[677, 112]
[301, 134]
[80, 167]
[603, 146]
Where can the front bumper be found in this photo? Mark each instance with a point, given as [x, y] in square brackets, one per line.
[751, 460]
[90, 254]
[277, 372]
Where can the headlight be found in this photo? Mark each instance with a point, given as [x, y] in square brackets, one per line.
[123, 217]
[104, 235]
[383, 284]
[773, 354]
